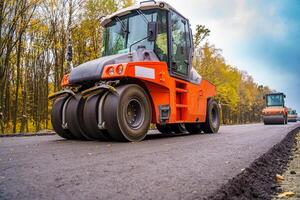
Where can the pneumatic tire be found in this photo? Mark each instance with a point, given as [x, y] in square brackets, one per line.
[212, 122]
[56, 119]
[128, 114]
[90, 118]
[286, 119]
[165, 128]
[193, 128]
[171, 128]
[74, 118]
[178, 128]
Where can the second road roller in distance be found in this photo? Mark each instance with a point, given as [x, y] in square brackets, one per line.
[292, 115]
[144, 76]
[275, 112]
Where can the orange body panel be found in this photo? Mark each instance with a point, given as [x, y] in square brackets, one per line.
[187, 100]
[65, 80]
[292, 117]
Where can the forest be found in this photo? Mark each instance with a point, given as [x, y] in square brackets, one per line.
[35, 35]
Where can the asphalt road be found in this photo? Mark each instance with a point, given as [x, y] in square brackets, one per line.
[177, 167]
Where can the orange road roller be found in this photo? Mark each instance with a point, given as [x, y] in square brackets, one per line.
[275, 111]
[144, 76]
[292, 115]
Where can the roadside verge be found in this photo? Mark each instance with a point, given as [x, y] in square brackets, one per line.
[28, 134]
[258, 180]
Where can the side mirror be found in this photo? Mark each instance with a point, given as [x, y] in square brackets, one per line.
[152, 31]
[284, 96]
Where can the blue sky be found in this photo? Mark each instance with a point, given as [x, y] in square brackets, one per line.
[260, 37]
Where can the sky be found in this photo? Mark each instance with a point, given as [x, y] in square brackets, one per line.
[260, 37]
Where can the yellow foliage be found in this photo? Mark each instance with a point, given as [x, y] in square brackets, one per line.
[241, 98]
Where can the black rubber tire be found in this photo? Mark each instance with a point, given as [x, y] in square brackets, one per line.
[74, 118]
[178, 128]
[116, 110]
[212, 122]
[286, 120]
[193, 128]
[171, 128]
[90, 119]
[56, 119]
[166, 129]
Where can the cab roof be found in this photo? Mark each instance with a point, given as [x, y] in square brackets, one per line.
[275, 93]
[144, 5]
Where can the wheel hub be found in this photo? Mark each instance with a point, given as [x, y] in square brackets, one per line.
[134, 114]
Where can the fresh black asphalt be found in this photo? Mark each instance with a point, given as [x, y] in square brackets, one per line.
[161, 167]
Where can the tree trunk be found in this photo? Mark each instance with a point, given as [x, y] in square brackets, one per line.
[15, 111]
[24, 103]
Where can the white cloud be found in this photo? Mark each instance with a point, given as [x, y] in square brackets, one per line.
[235, 18]
[232, 22]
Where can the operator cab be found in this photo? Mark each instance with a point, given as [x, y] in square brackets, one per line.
[292, 112]
[156, 27]
[275, 99]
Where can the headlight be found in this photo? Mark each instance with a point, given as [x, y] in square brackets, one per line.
[120, 69]
[114, 71]
[111, 71]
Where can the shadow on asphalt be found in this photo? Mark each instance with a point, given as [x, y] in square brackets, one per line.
[149, 137]
[159, 136]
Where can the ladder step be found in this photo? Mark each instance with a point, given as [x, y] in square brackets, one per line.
[181, 105]
[181, 90]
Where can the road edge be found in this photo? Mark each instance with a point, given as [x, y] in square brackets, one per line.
[258, 180]
[27, 134]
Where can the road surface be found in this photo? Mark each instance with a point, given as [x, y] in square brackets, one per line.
[177, 167]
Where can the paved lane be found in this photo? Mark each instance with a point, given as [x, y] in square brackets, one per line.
[177, 167]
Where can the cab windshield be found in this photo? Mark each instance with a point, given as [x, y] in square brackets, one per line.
[275, 100]
[126, 30]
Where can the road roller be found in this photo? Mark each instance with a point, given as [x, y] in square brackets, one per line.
[145, 76]
[292, 115]
[275, 111]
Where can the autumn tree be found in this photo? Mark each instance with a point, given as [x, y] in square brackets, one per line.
[34, 38]
[241, 99]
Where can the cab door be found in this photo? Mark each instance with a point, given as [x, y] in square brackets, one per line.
[180, 43]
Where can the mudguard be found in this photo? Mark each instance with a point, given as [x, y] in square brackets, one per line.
[92, 70]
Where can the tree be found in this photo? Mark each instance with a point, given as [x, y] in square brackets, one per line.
[33, 43]
[240, 97]
[201, 33]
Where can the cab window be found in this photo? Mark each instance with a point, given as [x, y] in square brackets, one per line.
[161, 44]
[180, 47]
